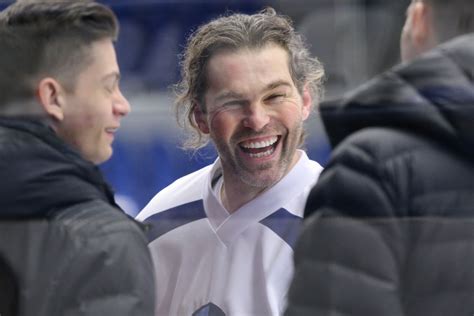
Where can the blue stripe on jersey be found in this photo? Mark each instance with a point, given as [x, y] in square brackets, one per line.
[209, 310]
[163, 222]
[284, 224]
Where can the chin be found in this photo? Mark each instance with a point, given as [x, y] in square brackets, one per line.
[102, 157]
[105, 158]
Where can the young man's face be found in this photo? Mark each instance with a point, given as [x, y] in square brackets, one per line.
[92, 112]
[254, 114]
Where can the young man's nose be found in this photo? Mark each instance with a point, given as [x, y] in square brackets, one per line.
[121, 104]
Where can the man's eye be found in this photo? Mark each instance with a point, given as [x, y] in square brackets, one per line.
[276, 97]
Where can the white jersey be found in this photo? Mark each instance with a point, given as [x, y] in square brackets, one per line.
[210, 262]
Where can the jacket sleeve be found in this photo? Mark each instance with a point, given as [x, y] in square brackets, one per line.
[110, 273]
[348, 258]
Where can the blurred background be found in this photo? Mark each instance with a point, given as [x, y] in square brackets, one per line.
[354, 39]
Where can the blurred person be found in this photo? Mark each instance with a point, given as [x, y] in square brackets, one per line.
[71, 250]
[392, 225]
[222, 237]
[9, 290]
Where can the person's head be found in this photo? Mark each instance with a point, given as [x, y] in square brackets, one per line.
[432, 22]
[248, 83]
[65, 62]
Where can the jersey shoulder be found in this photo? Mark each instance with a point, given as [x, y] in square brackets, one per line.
[184, 190]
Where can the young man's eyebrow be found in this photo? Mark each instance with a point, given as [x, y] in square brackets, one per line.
[115, 75]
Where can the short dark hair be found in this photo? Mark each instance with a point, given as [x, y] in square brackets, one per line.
[234, 32]
[58, 33]
[452, 17]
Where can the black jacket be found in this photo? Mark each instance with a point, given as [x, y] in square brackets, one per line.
[392, 229]
[71, 250]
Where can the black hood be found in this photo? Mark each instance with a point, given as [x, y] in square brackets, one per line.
[433, 96]
[40, 174]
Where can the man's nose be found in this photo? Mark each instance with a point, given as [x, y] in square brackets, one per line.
[256, 117]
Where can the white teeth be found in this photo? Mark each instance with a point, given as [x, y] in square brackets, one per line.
[262, 144]
[265, 153]
[110, 130]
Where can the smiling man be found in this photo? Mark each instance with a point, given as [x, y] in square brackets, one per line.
[222, 237]
[70, 247]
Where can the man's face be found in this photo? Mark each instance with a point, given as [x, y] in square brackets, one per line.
[254, 114]
[92, 112]
[418, 34]
[406, 41]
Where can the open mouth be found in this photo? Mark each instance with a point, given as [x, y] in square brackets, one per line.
[259, 149]
[111, 130]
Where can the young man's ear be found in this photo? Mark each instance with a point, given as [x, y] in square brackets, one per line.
[200, 118]
[51, 98]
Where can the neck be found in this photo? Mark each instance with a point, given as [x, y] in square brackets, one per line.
[234, 196]
[235, 193]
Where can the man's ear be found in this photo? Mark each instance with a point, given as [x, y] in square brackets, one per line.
[307, 102]
[51, 98]
[200, 118]
[422, 25]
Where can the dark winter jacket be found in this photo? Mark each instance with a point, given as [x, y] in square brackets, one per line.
[392, 224]
[70, 249]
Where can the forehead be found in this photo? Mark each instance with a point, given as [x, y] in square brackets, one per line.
[101, 59]
[248, 67]
[102, 53]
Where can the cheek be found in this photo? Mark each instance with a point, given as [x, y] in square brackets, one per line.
[85, 114]
[97, 115]
[223, 123]
[293, 112]
[85, 125]
[88, 131]
[89, 121]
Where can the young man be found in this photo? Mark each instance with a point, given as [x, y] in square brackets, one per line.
[71, 249]
[392, 232]
[222, 237]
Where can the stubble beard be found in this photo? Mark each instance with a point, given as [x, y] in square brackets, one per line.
[266, 174]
